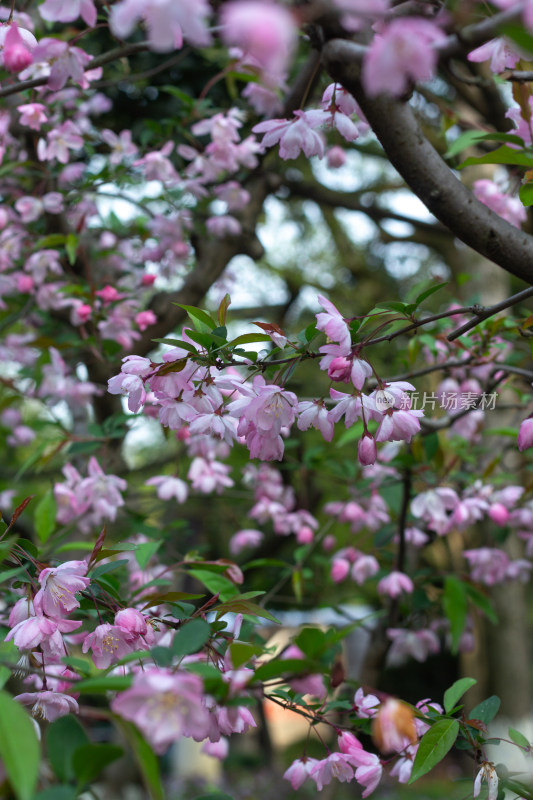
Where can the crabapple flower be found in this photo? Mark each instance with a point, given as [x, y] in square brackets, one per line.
[294, 135]
[411, 644]
[41, 631]
[525, 434]
[265, 31]
[68, 11]
[132, 621]
[395, 584]
[403, 51]
[245, 538]
[169, 486]
[364, 706]
[333, 324]
[367, 452]
[393, 727]
[509, 208]
[299, 771]
[108, 644]
[487, 773]
[488, 565]
[56, 597]
[501, 55]
[65, 62]
[336, 765]
[315, 414]
[165, 706]
[209, 476]
[168, 22]
[363, 568]
[16, 54]
[48, 705]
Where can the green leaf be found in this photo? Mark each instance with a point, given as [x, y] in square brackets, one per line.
[63, 738]
[144, 756]
[249, 338]
[455, 606]
[20, 751]
[401, 308]
[45, 516]
[102, 569]
[424, 295]
[519, 738]
[434, 745]
[242, 652]
[502, 155]
[520, 35]
[5, 674]
[200, 319]
[177, 343]
[89, 760]
[283, 666]
[62, 792]
[217, 584]
[456, 691]
[71, 247]
[144, 552]
[191, 637]
[223, 309]
[526, 194]
[104, 683]
[486, 710]
[238, 605]
[214, 796]
[482, 602]
[468, 138]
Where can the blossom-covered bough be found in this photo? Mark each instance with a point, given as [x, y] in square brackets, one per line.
[354, 458]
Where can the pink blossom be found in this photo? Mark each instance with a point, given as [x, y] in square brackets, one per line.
[395, 584]
[499, 51]
[29, 208]
[488, 565]
[525, 434]
[336, 765]
[168, 22]
[364, 706]
[41, 631]
[340, 569]
[16, 54]
[404, 51]
[334, 325]
[223, 225]
[56, 597]
[336, 157]
[294, 135]
[299, 771]
[165, 706]
[209, 476]
[368, 767]
[366, 450]
[403, 767]
[48, 705]
[121, 145]
[59, 141]
[245, 538]
[411, 644]
[510, 208]
[108, 644]
[132, 621]
[68, 11]
[363, 568]
[169, 486]
[65, 62]
[315, 414]
[218, 749]
[263, 30]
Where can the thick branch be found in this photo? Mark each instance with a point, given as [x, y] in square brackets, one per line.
[429, 177]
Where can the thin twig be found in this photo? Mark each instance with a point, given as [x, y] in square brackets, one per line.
[482, 313]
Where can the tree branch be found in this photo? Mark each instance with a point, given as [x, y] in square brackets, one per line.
[428, 176]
